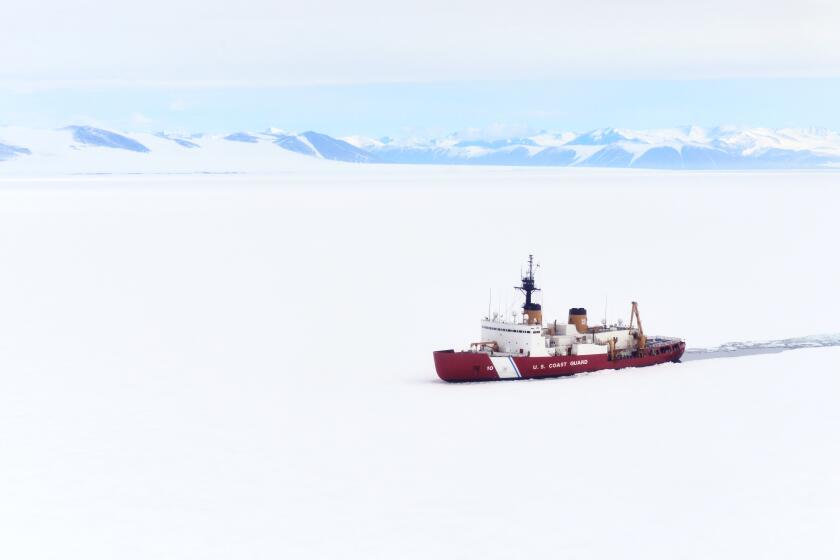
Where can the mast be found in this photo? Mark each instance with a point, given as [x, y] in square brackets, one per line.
[532, 312]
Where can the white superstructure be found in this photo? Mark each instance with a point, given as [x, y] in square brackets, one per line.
[523, 339]
[515, 338]
[531, 338]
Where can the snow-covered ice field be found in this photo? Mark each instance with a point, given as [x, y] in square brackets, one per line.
[231, 367]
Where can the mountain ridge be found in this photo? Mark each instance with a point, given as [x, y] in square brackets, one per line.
[690, 147]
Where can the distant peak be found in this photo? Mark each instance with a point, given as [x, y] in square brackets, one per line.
[104, 138]
[601, 136]
[242, 137]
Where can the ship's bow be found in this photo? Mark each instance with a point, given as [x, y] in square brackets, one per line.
[455, 366]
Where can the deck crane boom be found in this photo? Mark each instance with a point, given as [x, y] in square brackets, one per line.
[634, 312]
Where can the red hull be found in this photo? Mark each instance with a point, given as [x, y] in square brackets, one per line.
[476, 366]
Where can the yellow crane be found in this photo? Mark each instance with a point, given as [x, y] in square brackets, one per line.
[634, 312]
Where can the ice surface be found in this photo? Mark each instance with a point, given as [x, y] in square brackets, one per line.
[240, 367]
[749, 347]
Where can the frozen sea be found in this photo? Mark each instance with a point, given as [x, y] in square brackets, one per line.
[237, 366]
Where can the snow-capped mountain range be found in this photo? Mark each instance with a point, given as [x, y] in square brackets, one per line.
[87, 149]
[675, 148]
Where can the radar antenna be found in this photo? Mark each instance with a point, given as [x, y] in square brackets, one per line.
[528, 287]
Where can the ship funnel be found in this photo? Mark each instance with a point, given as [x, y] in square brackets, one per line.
[534, 316]
[577, 317]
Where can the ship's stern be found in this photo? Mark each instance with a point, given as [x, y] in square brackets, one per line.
[679, 353]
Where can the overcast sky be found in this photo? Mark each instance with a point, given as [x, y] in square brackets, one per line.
[208, 45]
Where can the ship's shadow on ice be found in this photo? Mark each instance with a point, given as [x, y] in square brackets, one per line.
[750, 348]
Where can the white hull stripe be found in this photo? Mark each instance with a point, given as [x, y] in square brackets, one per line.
[505, 367]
